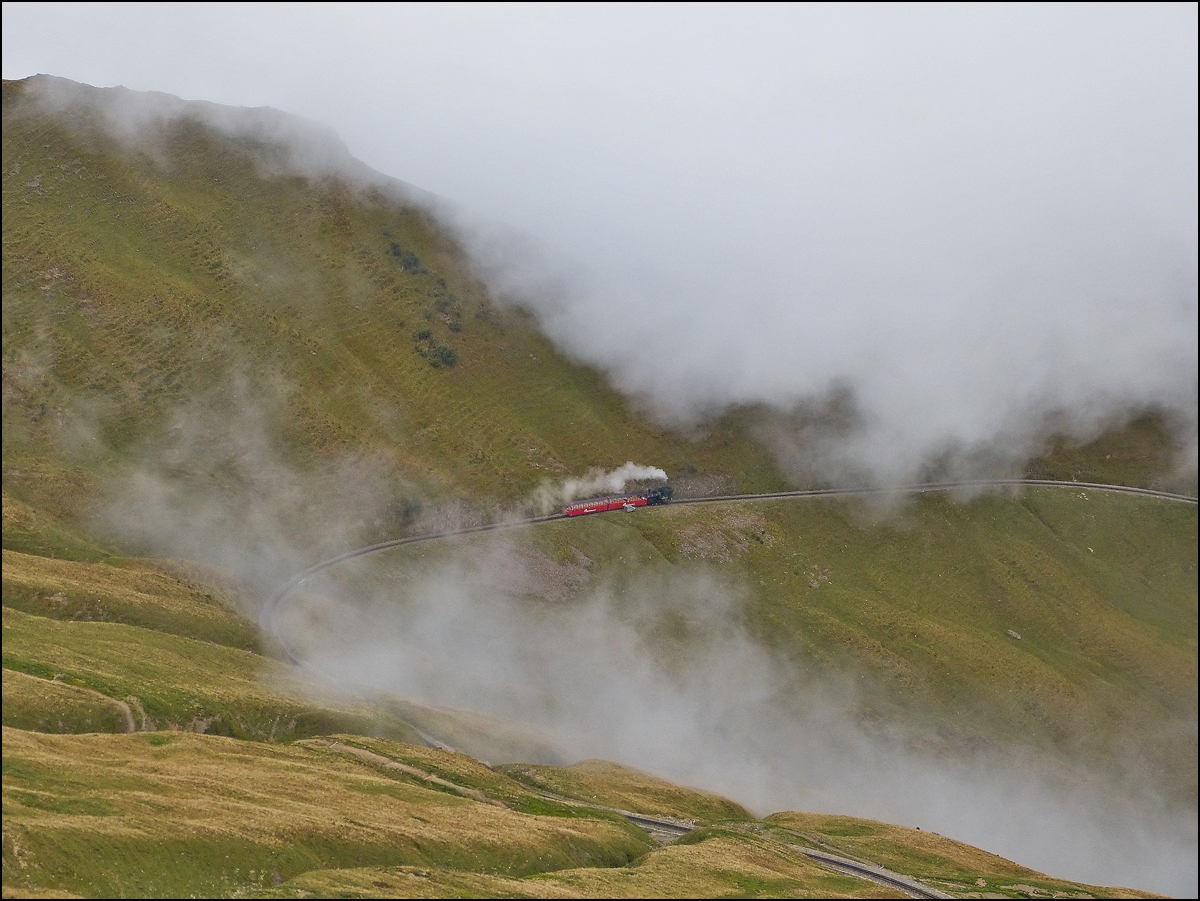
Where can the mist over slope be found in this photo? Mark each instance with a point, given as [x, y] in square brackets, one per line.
[929, 233]
[178, 272]
[919, 243]
[218, 354]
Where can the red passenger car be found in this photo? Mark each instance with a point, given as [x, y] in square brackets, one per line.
[626, 502]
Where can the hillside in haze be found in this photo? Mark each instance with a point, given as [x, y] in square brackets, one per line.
[230, 351]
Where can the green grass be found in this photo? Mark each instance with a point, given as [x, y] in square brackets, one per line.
[454, 767]
[722, 868]
[246, 339]
[1141, 452]
[179, 683]
[1100, 587]
[759, 860]
[131, 290]
[29, 531]
[623, 788]
[135, 284]
[43, 705]
[134, 594]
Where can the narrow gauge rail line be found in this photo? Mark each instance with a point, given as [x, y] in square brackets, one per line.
[675, 830]
[878, 875]
[941, 486]
[660, 825]
[267, 617]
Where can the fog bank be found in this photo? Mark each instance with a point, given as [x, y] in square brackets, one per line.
[954, 222]
[665, 676]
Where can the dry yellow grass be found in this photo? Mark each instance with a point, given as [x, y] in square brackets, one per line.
[721, 866]
[44, 705]
[118, 813]
[159, 814]
[179, 683]
[613, 785]
[456, 768]
[32, 531]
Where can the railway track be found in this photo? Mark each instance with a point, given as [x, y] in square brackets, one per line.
[667, 830]
[928, 487]
[268, 614]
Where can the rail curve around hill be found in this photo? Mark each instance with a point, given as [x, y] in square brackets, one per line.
[905, 885]
[267, 617]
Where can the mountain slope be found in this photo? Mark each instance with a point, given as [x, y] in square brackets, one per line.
[221, 364]
[137, 280]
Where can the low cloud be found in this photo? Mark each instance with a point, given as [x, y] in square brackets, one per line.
[659, 671]
[968, 230]
[664, 675]
[210, 484]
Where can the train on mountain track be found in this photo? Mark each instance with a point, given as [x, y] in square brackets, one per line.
[628, 502]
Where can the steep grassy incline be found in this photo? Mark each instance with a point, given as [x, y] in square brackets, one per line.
[181, 300]
[147, 290]
[173, 814]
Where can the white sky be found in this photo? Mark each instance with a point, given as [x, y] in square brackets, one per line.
[967, 214]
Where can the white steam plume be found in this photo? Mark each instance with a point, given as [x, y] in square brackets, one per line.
[597, 481]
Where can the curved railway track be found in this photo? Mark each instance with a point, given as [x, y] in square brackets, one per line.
[267, 617]
[667, 828]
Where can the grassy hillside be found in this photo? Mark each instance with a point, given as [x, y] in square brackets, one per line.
[159, 297]
[179, 814]
[136, 283]
[208, 357]
[114, 815]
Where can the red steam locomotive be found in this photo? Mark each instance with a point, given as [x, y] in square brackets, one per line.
[627, 502]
